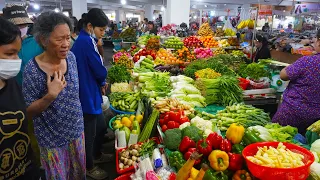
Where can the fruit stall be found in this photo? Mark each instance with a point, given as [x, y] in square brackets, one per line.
[181, 113]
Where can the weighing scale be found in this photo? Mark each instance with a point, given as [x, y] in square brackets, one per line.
[276, 83]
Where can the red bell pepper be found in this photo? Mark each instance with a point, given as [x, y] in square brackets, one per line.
[164, 128]
[225, 145]
[186, 143]
[188, 154]
[215, 140]
[204, 147]
[174, 116]
[235, 161]
[166, 119]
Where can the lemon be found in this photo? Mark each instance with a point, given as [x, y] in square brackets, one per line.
[132, 117]
[126, 122]
[139, 118]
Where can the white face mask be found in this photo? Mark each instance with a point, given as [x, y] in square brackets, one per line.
[93, 34]
[24, 31]
[9, 68]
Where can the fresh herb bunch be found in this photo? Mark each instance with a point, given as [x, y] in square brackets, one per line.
[254, 71]
[118, 73]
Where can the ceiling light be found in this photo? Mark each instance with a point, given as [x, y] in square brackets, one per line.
[36, 6]
[163, 8]
[123, 2]
[56, 10]
[194, 17]
[225, 4]
[205, 6]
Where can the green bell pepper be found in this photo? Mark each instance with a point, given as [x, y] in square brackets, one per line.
[212, 175]
[237, 148]
[176, 160]
[250, 137]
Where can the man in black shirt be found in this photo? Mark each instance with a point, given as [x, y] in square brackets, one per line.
[16, 158]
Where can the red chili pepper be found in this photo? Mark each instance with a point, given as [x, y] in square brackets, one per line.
[215, 140]
[204, 147]
[225, 145]
[186, 143]
[188, 154]
[235, 161]
[172, 176]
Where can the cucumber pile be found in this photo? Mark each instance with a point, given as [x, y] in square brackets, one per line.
[125, 101]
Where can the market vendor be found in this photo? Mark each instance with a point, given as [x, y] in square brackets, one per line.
[151, 28]
[263, 51]
[301, 100]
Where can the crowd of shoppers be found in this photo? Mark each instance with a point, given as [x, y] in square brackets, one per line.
[52, 80]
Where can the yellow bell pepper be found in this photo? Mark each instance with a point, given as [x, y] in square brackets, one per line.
[194, 173]
[235, 133]
[219, 160]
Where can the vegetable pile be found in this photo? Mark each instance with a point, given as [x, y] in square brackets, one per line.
[207, 73]
[153, 84]
[125, 101]
[245, 115]
[118, 74]
[223, 90]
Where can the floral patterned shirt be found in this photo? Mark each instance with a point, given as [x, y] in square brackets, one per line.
[62, 121]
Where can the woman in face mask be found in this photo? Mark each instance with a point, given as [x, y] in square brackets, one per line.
[15, 150]
[51, 91]
[92, 80]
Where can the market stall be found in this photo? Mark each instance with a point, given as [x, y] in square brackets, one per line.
[183, 111]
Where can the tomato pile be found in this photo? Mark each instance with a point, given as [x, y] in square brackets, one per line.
[145, 52]
[172, 119]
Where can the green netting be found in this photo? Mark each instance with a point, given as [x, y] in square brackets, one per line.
[212, 109]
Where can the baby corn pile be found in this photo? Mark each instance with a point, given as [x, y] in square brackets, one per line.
[279, 157]
[166, 104]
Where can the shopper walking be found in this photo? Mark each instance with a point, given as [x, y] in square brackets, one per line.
[51, 90]
[14, 135]
[92, 80]
[301, 100]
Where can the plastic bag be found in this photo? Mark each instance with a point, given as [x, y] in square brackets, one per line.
[262, 84]
[106, 103]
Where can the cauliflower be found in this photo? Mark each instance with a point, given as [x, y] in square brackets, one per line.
[201, 123]
[184, 125]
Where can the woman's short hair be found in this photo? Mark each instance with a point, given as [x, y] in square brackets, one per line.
[46, 23]
[8, 32]
[96, 17]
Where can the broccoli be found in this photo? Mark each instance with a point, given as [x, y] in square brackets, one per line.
[172, 138]
[192, 132]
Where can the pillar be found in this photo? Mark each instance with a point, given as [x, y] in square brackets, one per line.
[79, 7]
[178, 11]
[117, 15]
[149, 9]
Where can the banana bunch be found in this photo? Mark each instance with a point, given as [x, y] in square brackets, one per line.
[229, 32]
[205, 30]
[219, 51]
[224, 43]
[246, 23]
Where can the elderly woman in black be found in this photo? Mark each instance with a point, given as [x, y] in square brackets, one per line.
[263, 51]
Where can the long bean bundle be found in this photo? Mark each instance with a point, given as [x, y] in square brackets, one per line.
[223, 90]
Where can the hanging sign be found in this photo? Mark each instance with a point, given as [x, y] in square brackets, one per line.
[306, 8]
[265, 12]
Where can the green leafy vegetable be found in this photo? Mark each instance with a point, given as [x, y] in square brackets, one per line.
[192, 132]
[147, 148]
[118, 74]
[281, 133]
[254, 71]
